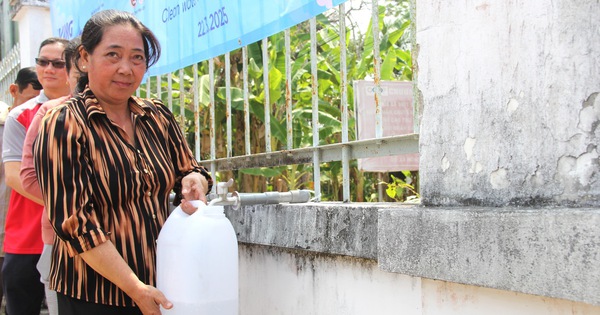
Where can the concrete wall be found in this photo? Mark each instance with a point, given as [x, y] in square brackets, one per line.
[510, 102]
[551, 252]
[282, 281]
[304, 258]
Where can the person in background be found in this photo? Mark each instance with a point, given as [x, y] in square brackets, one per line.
[107, 162]
[29, 179]
[23, 240]
[26, 87]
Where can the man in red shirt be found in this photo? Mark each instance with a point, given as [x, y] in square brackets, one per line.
[26, 87]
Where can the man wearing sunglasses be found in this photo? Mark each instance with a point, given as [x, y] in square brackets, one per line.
[23, 240]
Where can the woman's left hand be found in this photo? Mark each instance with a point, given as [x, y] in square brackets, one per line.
[193, 187]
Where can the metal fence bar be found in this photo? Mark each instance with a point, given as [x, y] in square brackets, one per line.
[213, 136]
[158, 87]
[288, 91]
[344, 106]
[359, 149]
[181, 100]
[148, 87]
[376, 69]
[211, 84]
[265, 57]
[196, 113]
[246, 100]
[228, 101]
[315, 108]
[170, 91]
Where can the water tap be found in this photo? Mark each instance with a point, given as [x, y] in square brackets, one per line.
[222, 197]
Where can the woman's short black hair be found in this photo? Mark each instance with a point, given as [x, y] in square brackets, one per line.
[99, 22]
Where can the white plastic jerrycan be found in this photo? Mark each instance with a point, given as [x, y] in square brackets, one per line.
[197, 262]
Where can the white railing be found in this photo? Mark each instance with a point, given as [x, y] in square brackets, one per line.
[312, 156]
[9, 67]
[207, 140]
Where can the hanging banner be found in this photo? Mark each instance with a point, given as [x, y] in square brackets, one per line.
[190, 31]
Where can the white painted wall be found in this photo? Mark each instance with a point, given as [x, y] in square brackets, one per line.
[275, 281]
[34, 26]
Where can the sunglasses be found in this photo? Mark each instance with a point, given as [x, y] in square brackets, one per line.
[58, 64]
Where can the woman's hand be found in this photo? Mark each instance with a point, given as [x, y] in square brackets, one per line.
[149, 299]
[107, 261]
[193, 187]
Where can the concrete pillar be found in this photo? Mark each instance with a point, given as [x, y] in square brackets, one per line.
[510, 102]
[34, 26]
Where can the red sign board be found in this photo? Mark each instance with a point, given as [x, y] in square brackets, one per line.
[396, 101]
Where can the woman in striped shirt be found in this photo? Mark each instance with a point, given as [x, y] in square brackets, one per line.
[106, 162]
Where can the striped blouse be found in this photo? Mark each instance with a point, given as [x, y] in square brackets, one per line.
[99, 187]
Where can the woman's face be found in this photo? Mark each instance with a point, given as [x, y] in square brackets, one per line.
[52, 79]
[117, 65]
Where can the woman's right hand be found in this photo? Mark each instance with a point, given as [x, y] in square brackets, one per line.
[105, 259]
[149, 299]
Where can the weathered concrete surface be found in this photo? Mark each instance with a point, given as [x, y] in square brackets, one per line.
[548, 252]
[334, 228]
[276, 280]
[510, 105]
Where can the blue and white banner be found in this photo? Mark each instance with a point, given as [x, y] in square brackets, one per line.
[190, 31]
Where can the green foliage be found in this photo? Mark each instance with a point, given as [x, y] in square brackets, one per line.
[394, 22]
[401, 190]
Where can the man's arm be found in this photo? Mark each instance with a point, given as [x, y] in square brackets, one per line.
[12, 152]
